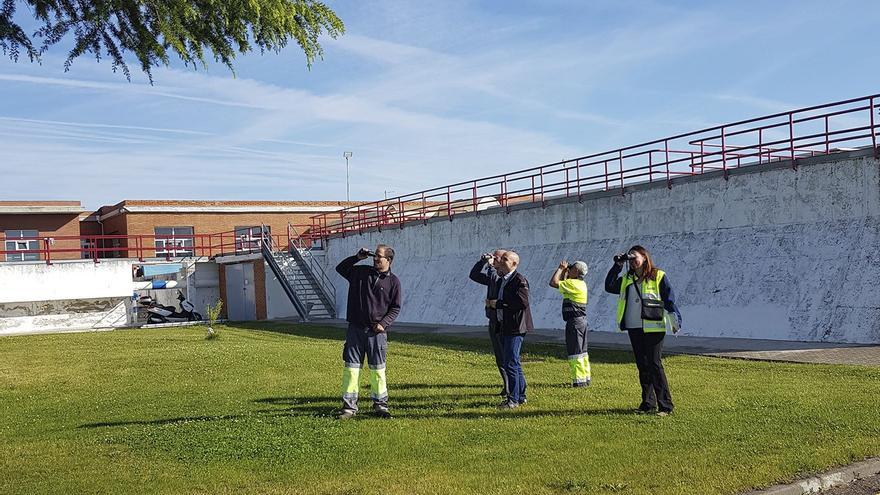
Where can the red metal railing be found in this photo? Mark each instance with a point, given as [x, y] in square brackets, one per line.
[817, 130]
[143, 246]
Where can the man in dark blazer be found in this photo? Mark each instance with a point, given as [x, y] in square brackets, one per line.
[512, 310]
[490, 279]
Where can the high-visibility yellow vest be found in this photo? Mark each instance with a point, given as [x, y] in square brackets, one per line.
[650, 289]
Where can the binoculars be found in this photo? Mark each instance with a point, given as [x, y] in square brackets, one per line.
[366, 252]
[619, 258]
[486, 256]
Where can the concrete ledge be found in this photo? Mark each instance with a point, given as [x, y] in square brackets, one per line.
[817, 484]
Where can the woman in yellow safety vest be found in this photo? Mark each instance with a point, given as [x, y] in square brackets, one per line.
[645, 308]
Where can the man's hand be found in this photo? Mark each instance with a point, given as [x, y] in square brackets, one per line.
[563, 265]
[490, 303]
[378, 328]
[362, 253]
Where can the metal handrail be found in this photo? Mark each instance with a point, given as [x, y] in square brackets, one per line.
[306, 252]
[781, 136]
[267, 249]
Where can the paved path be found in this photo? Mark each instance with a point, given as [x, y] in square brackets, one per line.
[762, 350]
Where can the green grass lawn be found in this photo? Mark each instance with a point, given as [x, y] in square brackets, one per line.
[166, 411]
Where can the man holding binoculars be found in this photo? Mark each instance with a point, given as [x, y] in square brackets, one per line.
[373, 305]
[569, 279]
[491, 279]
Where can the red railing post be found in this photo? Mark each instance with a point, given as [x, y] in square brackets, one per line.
[606, 175]
[577, 168]
[873, 130]
[702, 157]
[400, 211]
[668, 179]
[791, 139]
[761, 146]
[474, 194]
[424, 210]
[723, 154]
[541, 173]
[566, 181]
[620, 159]
[449, 202]
[47, 249]
[827, 143]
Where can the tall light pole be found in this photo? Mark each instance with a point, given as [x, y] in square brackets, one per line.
[347, 155]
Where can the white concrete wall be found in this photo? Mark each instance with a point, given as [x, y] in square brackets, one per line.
[78, 295]
[203, 286]
[20, 282]
[278, 305]
[54, 316]
[773, 254]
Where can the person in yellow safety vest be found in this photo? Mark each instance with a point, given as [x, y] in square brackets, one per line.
[645, 307]
[569, 279]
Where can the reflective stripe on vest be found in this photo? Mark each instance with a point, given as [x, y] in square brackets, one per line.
[649, 288]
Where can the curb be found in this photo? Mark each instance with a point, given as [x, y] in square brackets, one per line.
[822, 482]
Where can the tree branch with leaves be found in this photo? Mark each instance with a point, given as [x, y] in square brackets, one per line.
[153, 30]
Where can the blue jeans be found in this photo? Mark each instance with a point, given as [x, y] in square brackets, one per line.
[516, 380]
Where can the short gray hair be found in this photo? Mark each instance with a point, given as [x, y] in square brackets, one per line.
[581, 268]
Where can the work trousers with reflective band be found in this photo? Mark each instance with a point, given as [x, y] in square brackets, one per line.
[360, 343]
[576, 346]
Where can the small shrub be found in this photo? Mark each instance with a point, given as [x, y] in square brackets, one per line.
[213, 313]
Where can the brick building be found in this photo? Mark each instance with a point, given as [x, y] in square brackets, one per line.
[156, 228]
[29, 226]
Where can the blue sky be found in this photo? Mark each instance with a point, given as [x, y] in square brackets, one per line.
[424, 95]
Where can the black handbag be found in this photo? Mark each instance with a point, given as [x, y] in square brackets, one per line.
[652, 309]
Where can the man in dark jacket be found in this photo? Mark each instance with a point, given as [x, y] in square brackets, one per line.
[373, 305]
[490, 279]
[512, 309]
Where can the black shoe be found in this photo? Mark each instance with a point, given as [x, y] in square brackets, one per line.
[508, 405]
[645, 410]
[503, 393]
[345, 414]
[384, 414]
[581, 384]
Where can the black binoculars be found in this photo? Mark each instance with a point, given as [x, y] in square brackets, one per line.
[619, 258]
[366, 252]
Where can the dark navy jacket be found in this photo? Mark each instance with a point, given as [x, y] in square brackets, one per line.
[515, 305]
[373, 297]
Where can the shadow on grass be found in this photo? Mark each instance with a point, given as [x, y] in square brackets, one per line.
[532, 351]
[442, 406]
[429, 408]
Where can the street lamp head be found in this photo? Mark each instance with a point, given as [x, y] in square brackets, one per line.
[346, 154]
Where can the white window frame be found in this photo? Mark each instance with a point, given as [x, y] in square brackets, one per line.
[172, 246]
[13, 243]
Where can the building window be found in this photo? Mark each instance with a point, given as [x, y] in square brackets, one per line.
[247, 239]
[22, 240]
[174, 241]
[87, 248]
